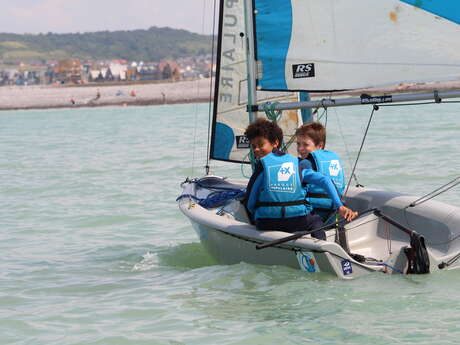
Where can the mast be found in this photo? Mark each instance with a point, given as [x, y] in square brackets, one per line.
[306, 113]
[250, 59]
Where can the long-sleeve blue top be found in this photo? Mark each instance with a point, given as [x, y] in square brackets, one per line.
[307, 176]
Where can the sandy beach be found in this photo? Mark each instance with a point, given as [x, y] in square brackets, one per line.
[61, 96]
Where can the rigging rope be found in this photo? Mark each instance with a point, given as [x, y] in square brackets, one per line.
[449, 262]
[242, 167]
[272, 114]
[374, 108]
[197, 94]
[436, 192]
[208, 149]
[288, 144]
[250, 157]
[415, 103]
[345, 145]
[388, 233]
[324, 114]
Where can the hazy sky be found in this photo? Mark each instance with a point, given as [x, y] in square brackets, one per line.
[63, 16]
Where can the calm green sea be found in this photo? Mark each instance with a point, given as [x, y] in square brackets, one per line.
[93, 249]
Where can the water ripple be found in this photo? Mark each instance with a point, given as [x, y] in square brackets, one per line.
[95, 251]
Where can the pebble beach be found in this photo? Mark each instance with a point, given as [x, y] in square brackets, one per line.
[196, 91]
[63, 96]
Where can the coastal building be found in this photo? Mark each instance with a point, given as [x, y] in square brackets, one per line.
[169, 70]
[118, 71]
[95, 75]
[68, 70]
[20, 77]
[149, 72]
[75, 71]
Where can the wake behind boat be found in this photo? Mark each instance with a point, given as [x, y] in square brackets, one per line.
[269, 57]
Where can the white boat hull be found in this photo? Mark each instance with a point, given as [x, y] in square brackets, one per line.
[227, 235]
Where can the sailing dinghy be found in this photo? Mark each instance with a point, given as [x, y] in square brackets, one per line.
[271, 54]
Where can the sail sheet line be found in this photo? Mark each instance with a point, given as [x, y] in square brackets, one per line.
[345, 144]
[374, 109]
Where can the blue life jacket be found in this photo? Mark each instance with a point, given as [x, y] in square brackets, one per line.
[328, 164]
[282, 194]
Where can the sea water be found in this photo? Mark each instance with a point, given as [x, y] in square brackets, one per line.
[93, 249]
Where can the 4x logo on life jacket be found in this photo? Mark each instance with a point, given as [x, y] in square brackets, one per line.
[334, 167]
[286, 171]
[281, 178]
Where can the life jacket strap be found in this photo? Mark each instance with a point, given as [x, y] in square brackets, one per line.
[318, 195]
[322, 209]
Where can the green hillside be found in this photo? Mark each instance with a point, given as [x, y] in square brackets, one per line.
[153, 44]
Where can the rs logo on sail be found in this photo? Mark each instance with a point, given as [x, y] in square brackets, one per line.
[242, 142]
[305, 70]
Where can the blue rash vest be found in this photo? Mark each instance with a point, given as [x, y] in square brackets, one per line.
[257, 185]
[329, 164]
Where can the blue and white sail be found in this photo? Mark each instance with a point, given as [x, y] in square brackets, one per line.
[228, 142]
[326, 45]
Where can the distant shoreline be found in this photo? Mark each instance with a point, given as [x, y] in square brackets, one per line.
[62, 96]
[197, 91]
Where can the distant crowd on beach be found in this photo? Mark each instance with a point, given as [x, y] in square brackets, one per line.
[97, 97]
